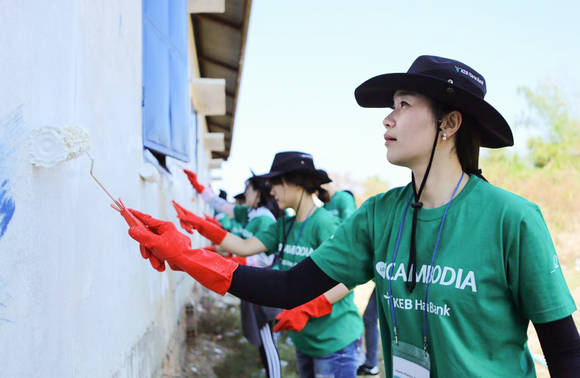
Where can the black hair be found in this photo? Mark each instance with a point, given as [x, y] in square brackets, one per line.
[304, 180]
[266, 199]
[223, 194]
[467, 139]
[323, 195]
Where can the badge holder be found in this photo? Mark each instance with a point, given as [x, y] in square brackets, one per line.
[409, 361]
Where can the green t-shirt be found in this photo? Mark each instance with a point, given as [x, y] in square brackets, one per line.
[332, 332]
[341, 205]
[248, 222]
[225, 221]
[495, 270]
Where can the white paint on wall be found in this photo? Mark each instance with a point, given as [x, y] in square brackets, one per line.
[80, 299]
[52, 145]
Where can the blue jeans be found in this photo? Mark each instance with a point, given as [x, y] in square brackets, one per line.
[371, 331]
[340, 364]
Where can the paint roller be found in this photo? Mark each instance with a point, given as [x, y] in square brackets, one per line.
[50, 146]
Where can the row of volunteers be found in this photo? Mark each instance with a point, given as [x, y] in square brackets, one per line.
[258, 212]
[324, 331]
[461, 267]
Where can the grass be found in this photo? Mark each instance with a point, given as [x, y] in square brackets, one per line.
[220, 350]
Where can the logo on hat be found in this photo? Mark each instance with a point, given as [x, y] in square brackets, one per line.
[465, 72]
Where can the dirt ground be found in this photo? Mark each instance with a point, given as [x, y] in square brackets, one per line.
[218, 348]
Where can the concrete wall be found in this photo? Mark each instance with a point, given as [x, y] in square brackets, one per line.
[76, 298]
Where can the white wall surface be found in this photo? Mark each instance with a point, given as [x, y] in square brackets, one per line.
[76, 298]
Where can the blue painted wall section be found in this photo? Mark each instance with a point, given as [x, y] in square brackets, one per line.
[7, 207]
[11, 138]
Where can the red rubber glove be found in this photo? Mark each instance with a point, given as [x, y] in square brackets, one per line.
[189, 221]
[212, 220]
[156, 263]
[242, 260]
[193, 180]
[296, 318]
[167, 243]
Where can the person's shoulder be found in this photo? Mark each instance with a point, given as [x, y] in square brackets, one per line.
[262, 213]
[503, 200]
[322, 214]
[343, 194]
[324, 218]
[388, 198]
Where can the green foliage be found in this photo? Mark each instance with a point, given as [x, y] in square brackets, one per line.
[560, 144]
[549, 174]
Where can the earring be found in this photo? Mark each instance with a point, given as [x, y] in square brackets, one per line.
[444, 137]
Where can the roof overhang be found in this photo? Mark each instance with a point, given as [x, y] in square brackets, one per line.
[220, 40]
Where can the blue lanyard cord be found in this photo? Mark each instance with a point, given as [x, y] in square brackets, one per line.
[429, 270]
[393, 265]
[304, 224]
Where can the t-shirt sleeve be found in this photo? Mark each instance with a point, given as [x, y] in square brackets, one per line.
[269, 237]
[325, 229]
[241, 214]
[348, 206]
[347, 256]
[224, 221]
[534, 272]
[259, 223]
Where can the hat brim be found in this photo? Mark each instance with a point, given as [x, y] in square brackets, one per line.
[377, 92]
[318, 174]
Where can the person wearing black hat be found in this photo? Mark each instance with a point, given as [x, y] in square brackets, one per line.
[461, 267]
[325, 330]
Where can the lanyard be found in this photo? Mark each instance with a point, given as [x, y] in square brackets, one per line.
[429, 270]
[285, 235]
[303, 224]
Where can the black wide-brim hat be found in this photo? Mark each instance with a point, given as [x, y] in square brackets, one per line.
[447, 81]
[295, 162]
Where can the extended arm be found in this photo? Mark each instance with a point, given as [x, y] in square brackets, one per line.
[241, 247]
[208, 195]
[561, 346]
[336, 293]
[282, 289]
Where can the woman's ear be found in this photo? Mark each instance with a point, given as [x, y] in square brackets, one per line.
[451, 124]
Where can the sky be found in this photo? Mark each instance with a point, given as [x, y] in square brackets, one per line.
[304, 59]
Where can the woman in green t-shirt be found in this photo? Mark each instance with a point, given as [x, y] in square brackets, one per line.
[325, 330]
[461, 267]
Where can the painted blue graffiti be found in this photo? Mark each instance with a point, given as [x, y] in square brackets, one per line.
[7, 207]
[11, 138]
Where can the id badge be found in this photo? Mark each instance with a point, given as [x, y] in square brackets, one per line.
[409, 361]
